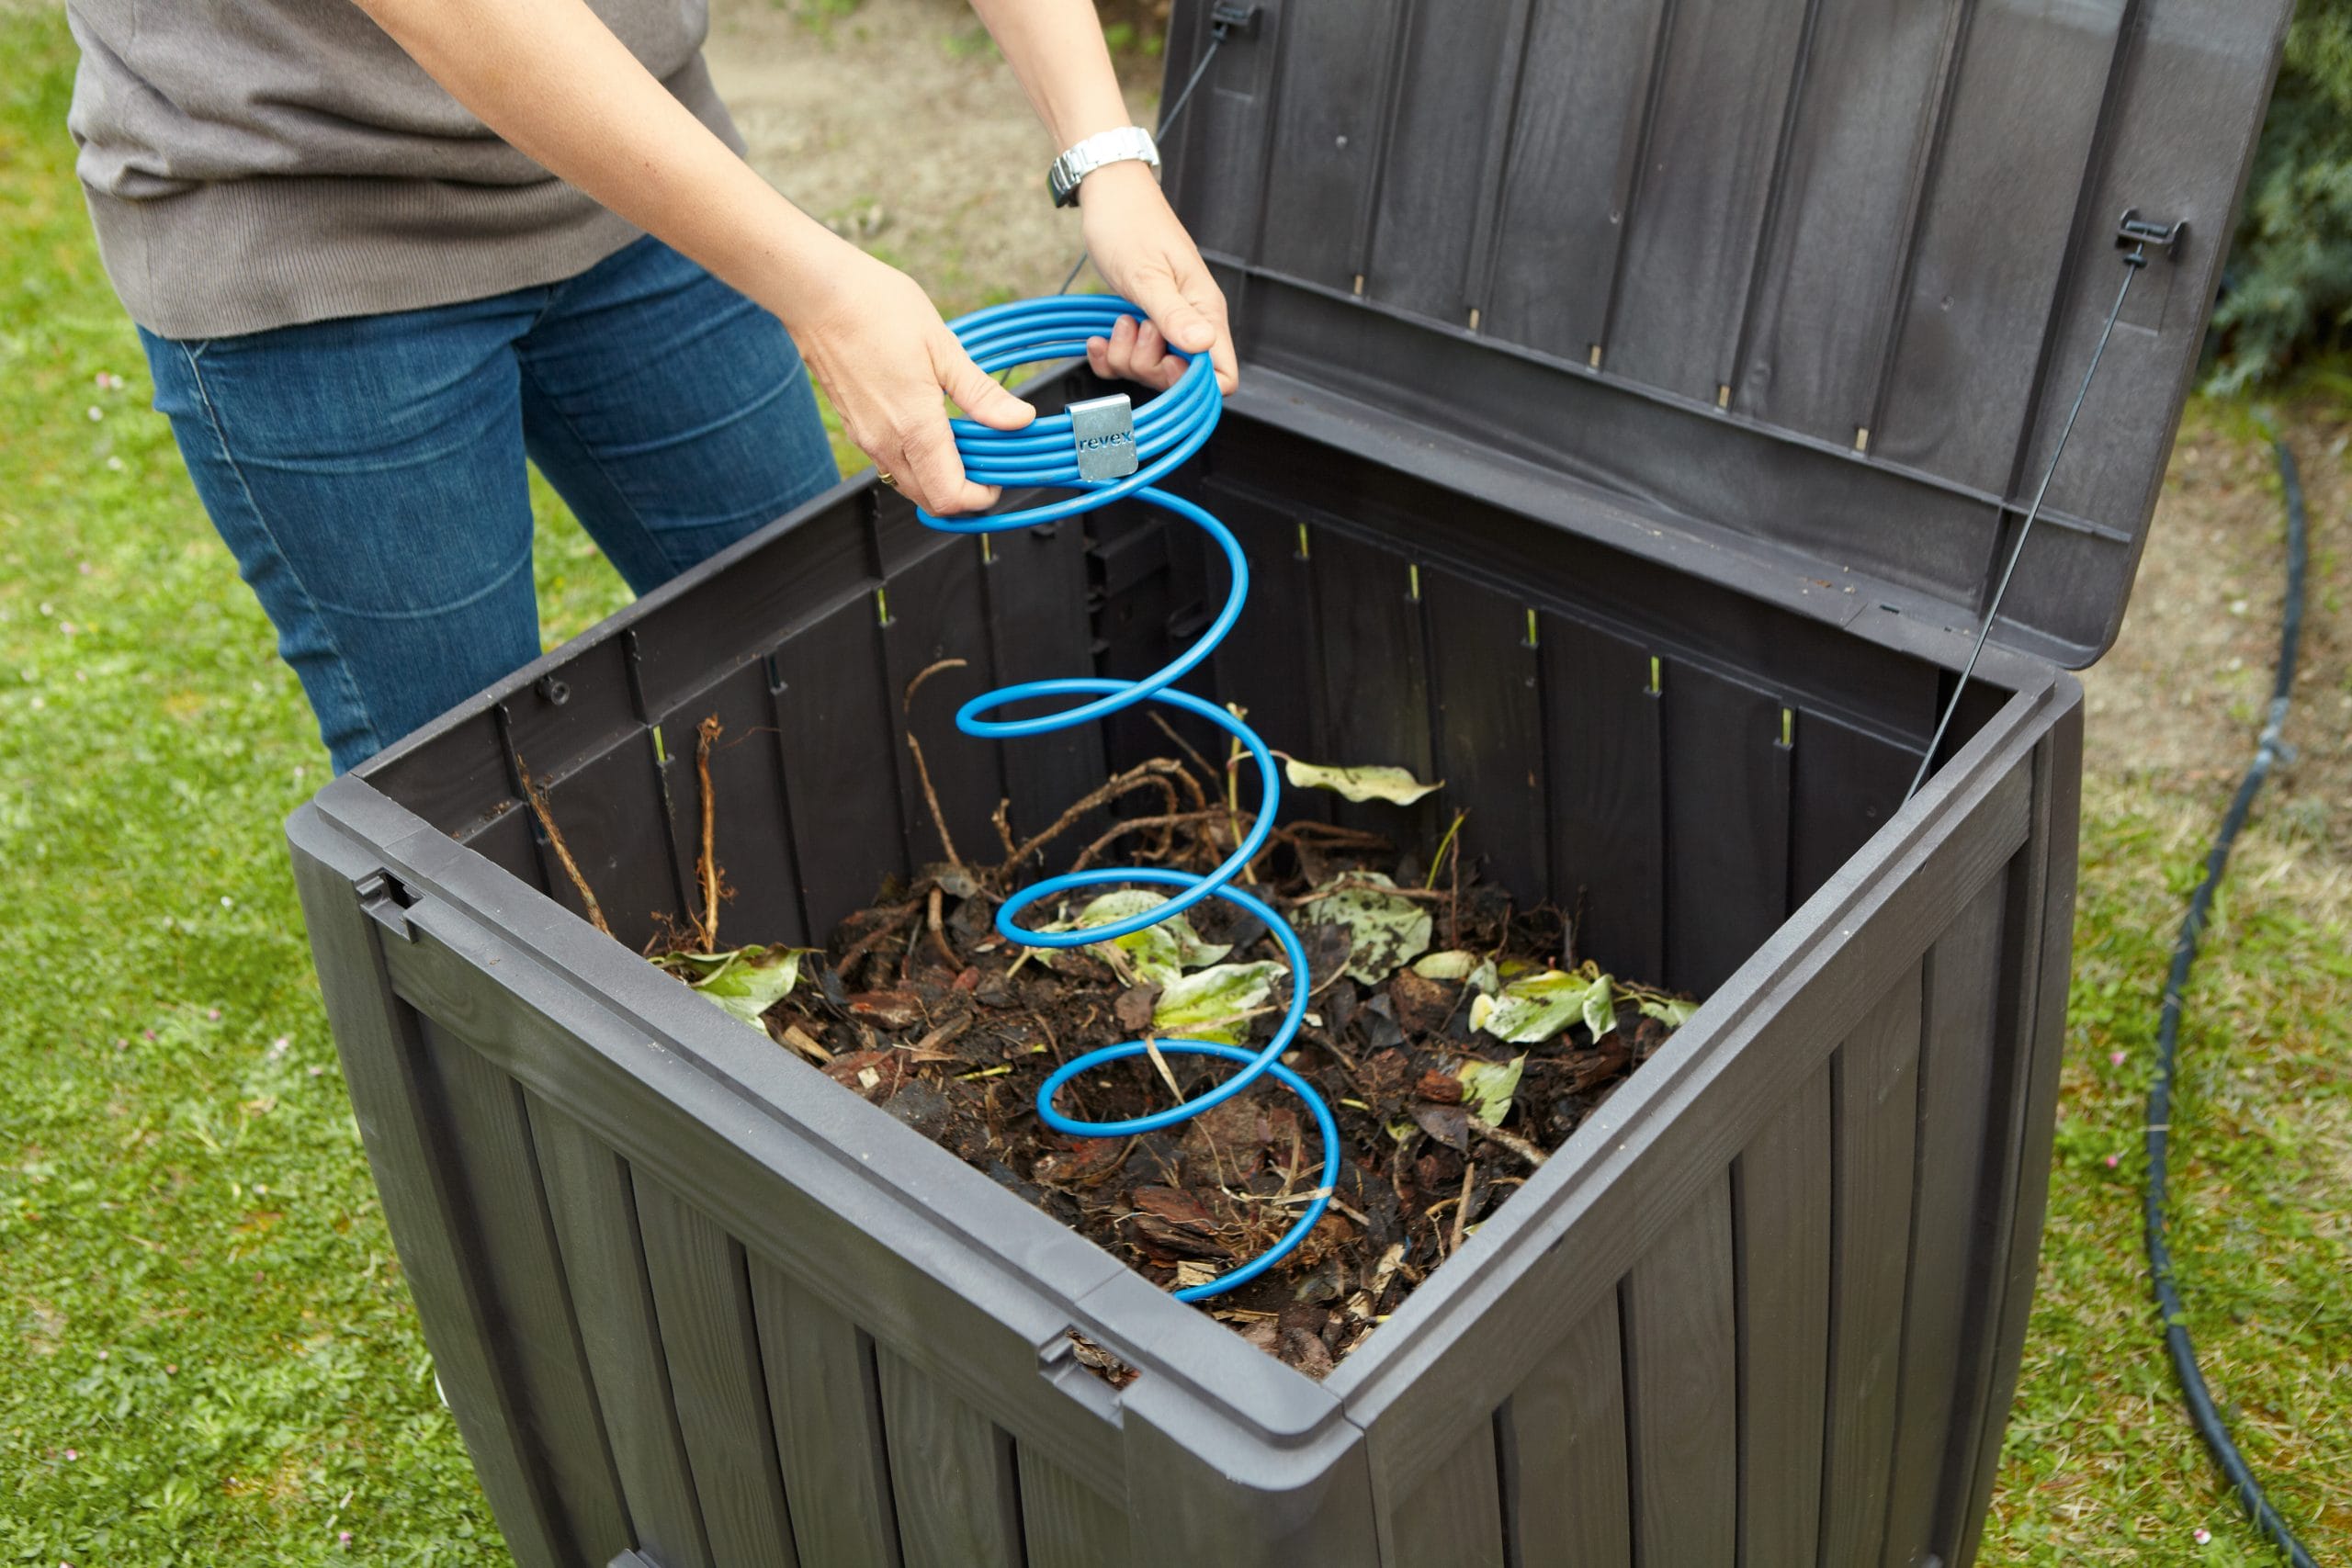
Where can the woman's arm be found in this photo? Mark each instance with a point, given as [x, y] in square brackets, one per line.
[1055, 48]
[550, 77]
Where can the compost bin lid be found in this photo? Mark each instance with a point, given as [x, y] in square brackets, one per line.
[1816, 277]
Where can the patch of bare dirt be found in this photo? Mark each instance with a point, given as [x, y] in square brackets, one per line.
[2181, 698]
[898, 123]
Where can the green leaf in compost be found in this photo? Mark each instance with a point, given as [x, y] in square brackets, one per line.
[1385, 932]
[1158, 954]
[746, 981]
[1394, 784]
[1454, 965]
[1671, 1012]
[1486, 1088]
[1533, 1008]
[1207, 1003]
[1600, 1007]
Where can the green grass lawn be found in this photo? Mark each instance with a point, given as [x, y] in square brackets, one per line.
[209, 1357]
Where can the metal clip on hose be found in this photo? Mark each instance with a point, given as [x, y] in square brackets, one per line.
[1167, 430]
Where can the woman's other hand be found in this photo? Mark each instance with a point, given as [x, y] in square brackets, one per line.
[1140, 247]
[877, 347]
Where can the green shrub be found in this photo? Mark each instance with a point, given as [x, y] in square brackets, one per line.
[2289, 293]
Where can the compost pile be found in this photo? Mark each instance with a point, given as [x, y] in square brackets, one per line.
[1457, 1039]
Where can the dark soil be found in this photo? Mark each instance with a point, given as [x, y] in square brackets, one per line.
[922, 1008]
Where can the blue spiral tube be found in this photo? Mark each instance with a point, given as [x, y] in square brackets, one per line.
[1167, 430]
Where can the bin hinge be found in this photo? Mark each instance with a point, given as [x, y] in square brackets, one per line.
[387, 903]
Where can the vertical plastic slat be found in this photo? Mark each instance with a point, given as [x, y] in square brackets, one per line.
[1780, 1189]
[937, 613]
[1563, 1451]
[748, 825]
[951, 1473]
[1727, 826]
[1376, 673]
[841, 776]
[1035, 590]
[1272, 663]
[1428, 193]
[1992, 245]
[1698, 208]
[1489, 704]
[1574, 141]
[610, 816]
[1327, 120]
[596, 1227]
[490, 1143]
[1844, 785]
[1602, 748]
[826, 1399]
[1875, 1116]
[1682, 1377]
[1065, 1522]
[1833, 263]
[703, 1297]
[1453, 1518]
[377, 1037]
[1962, 996]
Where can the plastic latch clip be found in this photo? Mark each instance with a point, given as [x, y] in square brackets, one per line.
[1104, 432]
[387, 903]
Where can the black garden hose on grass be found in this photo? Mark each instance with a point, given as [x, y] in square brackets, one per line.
[2198, 1398]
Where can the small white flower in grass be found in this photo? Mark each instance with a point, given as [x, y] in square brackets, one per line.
[227, 902]
[72, 1454]
[114, 465]
[96, 413]
[342, 1538]
[2115, 1058]
[277, 1047]
[316, 1070]
[2201, 1535]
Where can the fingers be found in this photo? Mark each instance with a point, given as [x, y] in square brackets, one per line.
[976, 393]
[930, 473]
[1189, 310]
[1136, 352]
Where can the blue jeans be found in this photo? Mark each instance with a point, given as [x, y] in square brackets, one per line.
[368, 473]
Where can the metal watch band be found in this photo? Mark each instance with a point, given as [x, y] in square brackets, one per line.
[1127, 143]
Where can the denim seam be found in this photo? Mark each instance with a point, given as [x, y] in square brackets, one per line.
[595, 458]
[334, 645]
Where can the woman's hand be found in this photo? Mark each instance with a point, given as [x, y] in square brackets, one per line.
[876, 343]
[1140, 247]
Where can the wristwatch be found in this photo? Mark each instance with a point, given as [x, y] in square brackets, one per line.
[1129, 142]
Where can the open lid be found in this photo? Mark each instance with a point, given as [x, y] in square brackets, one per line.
[1818, 277]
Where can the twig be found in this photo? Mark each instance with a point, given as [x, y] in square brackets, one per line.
[907, 700]
[707, 869]
[938, 935]
[1002, 821]
[930, 798]
[1462, 1206]
[1512, 1141]
[1158, 769]
[1185, 746]
[539, 799]
[1349, 885]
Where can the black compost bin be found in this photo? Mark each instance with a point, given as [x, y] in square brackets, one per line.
[1640, 402]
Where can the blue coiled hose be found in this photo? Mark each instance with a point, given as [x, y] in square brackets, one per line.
[1167, 430]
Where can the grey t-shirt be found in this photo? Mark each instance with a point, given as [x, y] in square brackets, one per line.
[252, 163]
